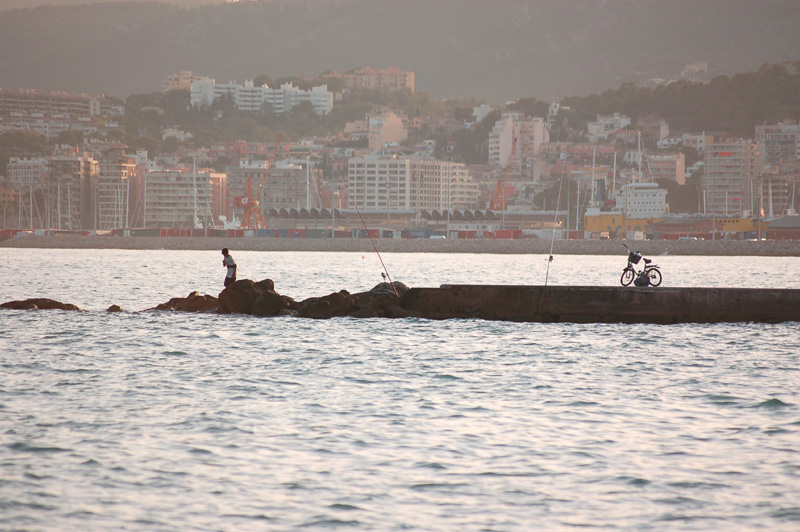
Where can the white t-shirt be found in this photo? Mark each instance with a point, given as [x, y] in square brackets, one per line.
[231, 264]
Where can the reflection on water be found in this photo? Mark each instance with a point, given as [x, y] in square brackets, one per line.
[173, 422]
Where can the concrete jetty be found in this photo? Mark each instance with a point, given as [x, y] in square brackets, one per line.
[596, 304]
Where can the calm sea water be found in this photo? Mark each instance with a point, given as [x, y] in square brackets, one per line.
[176, 422]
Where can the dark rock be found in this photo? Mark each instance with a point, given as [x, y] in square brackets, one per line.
[169, 305]
[194, 302]
[197, 303]
[365, 312]
[248, 297]
[39, 304]
[330, 306]
[269, 304]
[267, 285]
[386, 289]
[396, 311]
[114, 308]
[239, 297]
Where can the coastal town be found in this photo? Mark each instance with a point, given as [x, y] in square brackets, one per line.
[388, 173]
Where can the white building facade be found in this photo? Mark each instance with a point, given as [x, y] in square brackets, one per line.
[408, 183]
[250, 98]
[516, 139]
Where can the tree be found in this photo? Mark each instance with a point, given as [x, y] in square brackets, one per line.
[24, 141]
[70, 137]
[169, 145]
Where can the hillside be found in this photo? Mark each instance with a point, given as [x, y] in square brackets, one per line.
[458, 48]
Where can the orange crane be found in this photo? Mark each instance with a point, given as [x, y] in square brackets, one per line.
[253, 217]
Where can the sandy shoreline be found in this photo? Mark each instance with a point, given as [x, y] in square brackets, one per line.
[787, 248]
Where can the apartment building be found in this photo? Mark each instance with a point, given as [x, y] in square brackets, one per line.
[653, 129]
[56, 102]
[180, 198]
[586, 152]
[250, 98]
[385, 127]
[515, 140]
[371, 78]
[291, 186]
[73, 177]
[112, 192]
[180, 81]
[732, 168]
[670, 166]
[390, 183]
[23, 172]
[605, 125]
[781, 141]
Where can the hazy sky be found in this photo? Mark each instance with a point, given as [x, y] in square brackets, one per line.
[19, 4]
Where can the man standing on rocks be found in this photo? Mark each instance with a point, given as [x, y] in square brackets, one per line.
[229, 263]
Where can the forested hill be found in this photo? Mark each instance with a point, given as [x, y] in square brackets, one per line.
[486, 49]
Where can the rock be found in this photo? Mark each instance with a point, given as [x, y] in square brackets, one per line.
[269, 304]
[114, 308]
[333, 305]
[239, 297]
[194, 302]
[245, 297]
[386, 289]
[39, 304]
[365, 312]
[267, 285]
[197, 303]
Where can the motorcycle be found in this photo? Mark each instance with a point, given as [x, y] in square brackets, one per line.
[649, 275]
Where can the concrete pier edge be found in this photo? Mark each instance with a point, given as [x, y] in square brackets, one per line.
[593, 304]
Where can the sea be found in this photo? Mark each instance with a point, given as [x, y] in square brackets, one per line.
[162, 421]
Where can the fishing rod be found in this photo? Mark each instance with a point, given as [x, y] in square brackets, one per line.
[371, 240]
[555, 224]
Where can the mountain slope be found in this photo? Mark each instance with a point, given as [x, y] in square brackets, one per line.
[457, 48]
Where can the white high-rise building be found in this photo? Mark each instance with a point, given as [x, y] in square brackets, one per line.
[410, 183]
[254, 99]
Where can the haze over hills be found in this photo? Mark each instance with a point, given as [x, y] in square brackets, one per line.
[458, 48]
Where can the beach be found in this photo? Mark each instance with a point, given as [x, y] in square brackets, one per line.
[782, 248]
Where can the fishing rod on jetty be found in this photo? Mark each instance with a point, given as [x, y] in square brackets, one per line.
[371, 240]
[555, 224]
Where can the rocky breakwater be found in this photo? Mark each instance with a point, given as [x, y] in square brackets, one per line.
[261, 299]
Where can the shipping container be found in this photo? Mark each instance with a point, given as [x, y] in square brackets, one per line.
[283, 233]
[297, 233]
[317, 233]
[420, 233]
[265, 233]
[340, 233]
[145, 232]
[507, 234]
